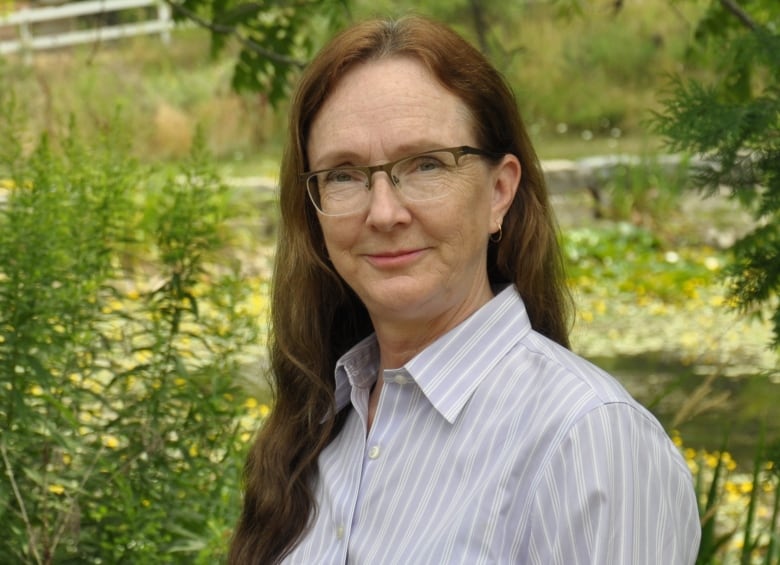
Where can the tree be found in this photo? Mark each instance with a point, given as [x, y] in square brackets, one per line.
[734, 122]
[275, 38]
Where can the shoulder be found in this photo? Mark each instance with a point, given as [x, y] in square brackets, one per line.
[545, 369]
[605, 460]
[572, 403]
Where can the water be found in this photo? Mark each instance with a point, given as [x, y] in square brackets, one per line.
[733, 408]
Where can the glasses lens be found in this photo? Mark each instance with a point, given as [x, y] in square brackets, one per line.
[425, 177]
[338, 191]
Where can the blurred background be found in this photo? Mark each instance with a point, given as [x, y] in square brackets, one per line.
[139, 147]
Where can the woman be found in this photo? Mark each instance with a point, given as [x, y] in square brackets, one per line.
[427, 407]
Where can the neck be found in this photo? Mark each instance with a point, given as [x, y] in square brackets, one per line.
[402, 339]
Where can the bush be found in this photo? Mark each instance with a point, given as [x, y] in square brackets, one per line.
[124, 332]
[734, 122]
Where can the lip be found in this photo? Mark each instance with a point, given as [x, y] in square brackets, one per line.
[394, 259]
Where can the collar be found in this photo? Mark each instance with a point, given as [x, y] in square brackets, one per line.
[450, 369]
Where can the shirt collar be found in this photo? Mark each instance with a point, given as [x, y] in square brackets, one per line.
[357, 368]
[450, 369]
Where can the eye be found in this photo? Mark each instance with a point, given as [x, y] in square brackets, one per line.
[421, 165]
[340, 176]
[427, 163]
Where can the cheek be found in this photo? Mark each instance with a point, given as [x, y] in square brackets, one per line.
[339, 233]
[467, 212]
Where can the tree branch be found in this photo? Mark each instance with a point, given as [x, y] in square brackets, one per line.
[741, 15]
[247, 42]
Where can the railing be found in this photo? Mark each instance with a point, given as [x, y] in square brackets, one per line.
[25, 18]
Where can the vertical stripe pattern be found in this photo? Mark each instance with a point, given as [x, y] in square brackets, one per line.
[497, 446]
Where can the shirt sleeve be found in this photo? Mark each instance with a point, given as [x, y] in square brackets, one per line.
[617, 491]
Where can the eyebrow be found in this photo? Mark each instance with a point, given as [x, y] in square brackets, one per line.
[348, 158]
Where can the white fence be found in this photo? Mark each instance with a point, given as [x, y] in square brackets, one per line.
[27, 40]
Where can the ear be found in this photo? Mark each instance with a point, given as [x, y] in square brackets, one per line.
[505, 180]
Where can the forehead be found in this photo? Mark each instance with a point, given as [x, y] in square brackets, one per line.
[383, 109]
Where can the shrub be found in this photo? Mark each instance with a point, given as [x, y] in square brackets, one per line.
[124, 332]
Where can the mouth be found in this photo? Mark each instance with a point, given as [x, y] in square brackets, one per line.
[395, 258]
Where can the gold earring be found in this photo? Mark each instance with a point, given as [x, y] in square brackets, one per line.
[496, 238]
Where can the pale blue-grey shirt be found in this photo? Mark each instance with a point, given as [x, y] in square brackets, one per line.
[496, 445]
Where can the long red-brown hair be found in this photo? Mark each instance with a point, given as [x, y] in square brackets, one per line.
[316, 317]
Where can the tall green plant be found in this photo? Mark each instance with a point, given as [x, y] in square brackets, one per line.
[735, 123]
[752, 537]
[122, 330]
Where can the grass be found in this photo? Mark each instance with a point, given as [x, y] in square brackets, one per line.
[161, 93]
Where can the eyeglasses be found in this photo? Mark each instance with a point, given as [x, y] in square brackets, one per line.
[419, 177]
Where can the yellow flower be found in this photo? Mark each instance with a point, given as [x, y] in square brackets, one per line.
[250, 403]
[110, 441]
[94, 386]
[179, 381]
[194, 450]
[728, 462]
[112, 306]
[67, 459]
[587, 316]
[36, 390]
[56, 489]
[264, 410]
[143, 355]
[146, 503]
[712, 264]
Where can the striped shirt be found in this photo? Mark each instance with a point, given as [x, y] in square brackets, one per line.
[496, 445]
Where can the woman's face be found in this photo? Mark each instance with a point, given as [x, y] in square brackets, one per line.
[421, 262]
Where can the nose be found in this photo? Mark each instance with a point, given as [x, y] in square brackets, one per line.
[385, 209]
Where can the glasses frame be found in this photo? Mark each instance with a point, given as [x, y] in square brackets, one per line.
[369, 170]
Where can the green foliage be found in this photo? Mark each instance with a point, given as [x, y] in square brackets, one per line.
[275, 38]
[643, 191]
[740, 532]
[735, 123]
[631, 259]
[122, 330]
[594, 54]
[712, 542]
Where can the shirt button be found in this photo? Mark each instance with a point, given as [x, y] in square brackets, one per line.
[340, 532]
[401, 380]
[373, 453]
